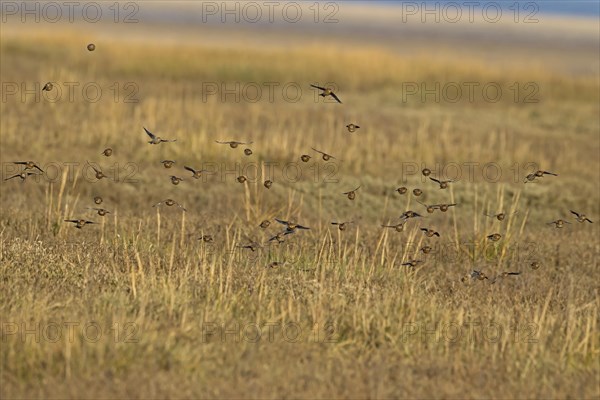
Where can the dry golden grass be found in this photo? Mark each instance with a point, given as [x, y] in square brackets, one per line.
[370, 327]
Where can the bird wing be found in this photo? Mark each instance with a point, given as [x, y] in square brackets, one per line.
[152, 136]
[435, 180]
[575, 213]
[335, 97]
[318, 87]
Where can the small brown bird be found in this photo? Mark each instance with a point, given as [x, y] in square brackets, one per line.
[233, 144]
[167, 163]
[430, 208]
[559, 223]
[500, 217]
[541, 173]
[444, 207]
[425, 249]
[305, 157]
[28, 165]
[494, 237]
[426, 172]
[291, 225]
[169, 203]
[175, 180]
[402, 190]
[276, 264]
[157, 140]
[248, 152]
[327, 92]
[242, 179]
[326, 157]
[417, 192]
[398, 227]
[265, 224]
[412, 263]
[98, 172]
[91, 47]
[352, 128]
[534, 265]
[538, 174]
[430, 232]
[206, 238]
[351, 194]
[268, 184]
[101, 211]
[409, 214]
[196, 173]
[530, 178]
[23, 175]
[79, 223]
[504, 275]
[342, 225]
[253, 246]
[280, 236]
[48, 87]
[443, 184]
[107, 152]
[479, 275]
[98, 200]
[581, 217]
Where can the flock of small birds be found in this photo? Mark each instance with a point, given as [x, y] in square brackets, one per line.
[291, 226]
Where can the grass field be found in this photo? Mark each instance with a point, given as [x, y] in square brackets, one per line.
[140, 306]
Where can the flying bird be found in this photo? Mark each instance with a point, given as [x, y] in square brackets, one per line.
[559, 223]
[79, 223]
[581, 217]
[326, 157]
[233, 144]
[101, 211]
[156, 140]
[23, 175]
[29, 165]
[169, 203]
[196, 173]
[342, 225]
[500, 216]
[327, 92]
[443, 184]
[291, 226]
[351, 194]
[352, 128]
[430, 232]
